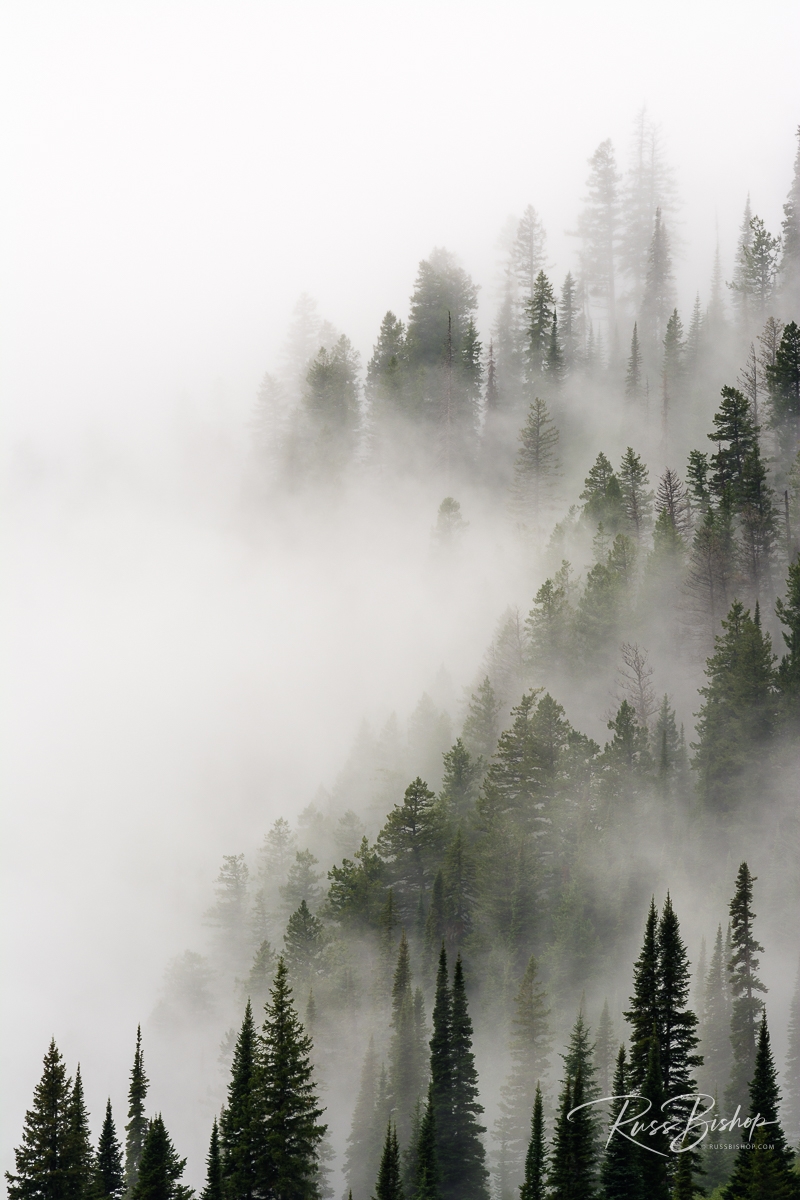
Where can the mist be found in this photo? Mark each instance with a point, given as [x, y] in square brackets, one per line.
[209, 627]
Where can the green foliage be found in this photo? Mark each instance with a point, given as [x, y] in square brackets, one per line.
[109, 1173]
[388, 1186]
[537, 466]
[239, 1132]
[716, 1044]
[79, 1143]
[409, 838]
[533, 1186]
[481, 728]
[602, 496]
[462, 776]
[739, 712]
[160, 1168]
[745, 986]
[637, 501]
[357, 894]
[529, 1047]
[136, 1128]
[788, 677]
[45, 1162]
[619, 1171]
[427, 1174]
[468, 1179]
[550, 624]
[303, 941]
[213, 1189]
[539, 311]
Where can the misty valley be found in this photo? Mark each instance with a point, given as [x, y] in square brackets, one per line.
[568, 876]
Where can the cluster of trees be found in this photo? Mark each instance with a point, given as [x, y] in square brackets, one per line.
[437, 398]
[416, 1130]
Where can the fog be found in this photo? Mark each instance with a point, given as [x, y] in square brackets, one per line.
[184, 660]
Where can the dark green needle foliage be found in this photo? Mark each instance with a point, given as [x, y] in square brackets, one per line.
[619, 1172]
[45, 1167]
[213, 1189]
[160, 1168]
[533, 1186]
[239, 1125]
[746, 988]
[389, 1186]
[79, 1146]
[108, 1163]
[468, 1176]
[136, 1128]
[654, 1146]
[427, 1177]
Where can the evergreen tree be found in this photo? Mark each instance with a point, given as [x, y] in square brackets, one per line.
[598, 227]
[549, 625]
[573, 1161]
[637, 501]
[331, 409]
[228, 915]
[716, 1022]
[388, 1186]
[739, 285]
[619, 1172]
[539, 311]
[441, 1067]
[287, 1101]
[362, 1156]
[44, 1166]
[710, 574]
[405, 1053]
[767, 1169]
[302, 882]
[570, 324]
[654, 1151]
[758, 523]
[756, 271]
[427, 1175]
[213, 1189]
[736, 438]
[79, 1144]
[533, 1186]
[108, 1162]
[783, 381]
[136, 1128]
[256, 986]
[659, 289]
[527, 251]
[239, 1132]
[409, 838]
[684, 1188]
[677, 1023]
[604, 1051]
[643, 1015]
[790, 258]
[481, 728]
[536, 468]
[462, 775]
[160, 1169]
[634, 383]
[672, 370]
[602, 496]
[303, 942]
[469, 1178]
[554, 360]
[745, 987]
[649, 184]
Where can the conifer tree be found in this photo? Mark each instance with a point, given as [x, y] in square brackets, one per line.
[43, 1163]
[529, 1047]
[739, 712]
[239, 1132]
[160, 1168]
[672, 370]
[389, 1186]
[108, 1163]
[766, 1170]
[602, 496]
[619, 1171]
[533, 1186]
[427, 1175]
[684, 1187]
[527, 251]
[654, 1146]
[405, 1058]
[643, 1015]
[362, 1156]
[677, 1023]
[539, 311]
[790, 228]
[739, 285]
[598, 227]
[659, 289]
[746, 988]
[604, 1051]
[537, 467]
[716, 1043]
[409, 838]
[481, 728]
[637, 501]
[570, 324]
[711, 573]
[136, 1128]
[213, 1189]
[79, 1143]
[572, 1174]
[634, 383]
[788, 675]
[783, 381]
[441, 1067]
[469, 1178]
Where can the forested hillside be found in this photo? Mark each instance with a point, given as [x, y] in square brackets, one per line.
[420, 985]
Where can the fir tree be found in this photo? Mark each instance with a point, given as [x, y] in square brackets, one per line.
[643, 1015]
[303, 942]
[783, 381]
[441, 1067]
[79, 1144]
[160, 1169]
[745, 987]
[427, 1175]
[790, 258]
[409, 837]
[677, 1023]
[791, 1108]
[389, 1186]
[540, 310]
[405, 1056]
[735, 436]
[569, 324]
[716, 1043]
[710, 574]
[533, 1186]
[598, 227]
[108, 1163]
[739, 285]
[287, 1101]
[654, 1144]
[44, 1166]
[619, 1172]
[537, 467]
[739, 711]
[767, 1169]
[481, 728]
[633, 375]
[637, 501]
[469, 1178]
[602, 496]
[573, 1161]
[136, 1128]
[213, 1189]
[659, 289]
[239, 1132]
[549, 624]
[362, 1156]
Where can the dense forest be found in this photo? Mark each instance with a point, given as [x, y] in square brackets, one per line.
[463, 971]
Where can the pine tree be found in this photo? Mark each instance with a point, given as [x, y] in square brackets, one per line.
[362, 1156]
[598, 227]
[533, 1186]
[44, 1168]
[79, 1144]
[736, 438]
[643, 1015]
[653, 1152]
[783, 381]
[529, 1049]
[633, 376]
[758, 523]
[136, 1128]
[573, 1161]
[389, 1186]
[481, 728]
[745, 987]
[213, 1189]
[108, 1162]
[527, 251]
[738, 715]
[716, 1043]
[772, 1164]
[619, 1172]
[570, 324]
[427, 1175]
[287, 1101]
[659, 289]
[239, 1132]
[539, 312]
[637, 501]
[537, 467]
[756, 271]
[405, 1057]
[441, 1067]
[256, 986]
[160, 1169]
[469, 1178]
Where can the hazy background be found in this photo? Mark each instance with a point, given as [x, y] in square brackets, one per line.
[174, 176]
